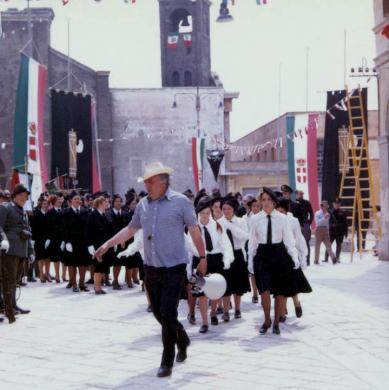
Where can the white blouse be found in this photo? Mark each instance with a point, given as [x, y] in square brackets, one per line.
[281, 232]
[248, 218]
[239, 230]
[301, 244]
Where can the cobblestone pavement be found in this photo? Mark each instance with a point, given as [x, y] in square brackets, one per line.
[84, 341]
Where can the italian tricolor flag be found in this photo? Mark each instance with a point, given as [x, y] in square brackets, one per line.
[172, 40]
[301, 131]
[29, 153]
[198, 145]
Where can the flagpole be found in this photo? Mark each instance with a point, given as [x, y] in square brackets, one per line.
[278, 127]
[69, 84]
[306, 78]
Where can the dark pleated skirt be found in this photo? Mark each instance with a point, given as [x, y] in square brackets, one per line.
[273, 271]
[238, 276]
[134, 261]
[55, 252]
[115, 262]
[40, 252]
[79, 257]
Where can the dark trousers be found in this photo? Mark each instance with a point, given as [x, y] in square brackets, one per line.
[306, 231]
[11, 267]
[339, 241]
[164, 286]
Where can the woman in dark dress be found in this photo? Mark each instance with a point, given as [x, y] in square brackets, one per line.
[118, 221]
[272, 258]
[55, 235]
[39, 236]
[98, 230]
[76, 252]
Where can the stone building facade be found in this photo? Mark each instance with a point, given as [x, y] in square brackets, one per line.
[134, 126]
[381, 12]
[248, 172]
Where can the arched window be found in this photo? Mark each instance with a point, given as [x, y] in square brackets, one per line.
[188, 78]
[273, 154]
[181, 21]
[176, 79]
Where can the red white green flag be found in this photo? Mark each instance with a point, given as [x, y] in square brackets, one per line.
[172, 40]
[197, 161]
[187, 39]
[29, 152]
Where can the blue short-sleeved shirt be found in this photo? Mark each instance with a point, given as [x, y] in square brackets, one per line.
[163, 222]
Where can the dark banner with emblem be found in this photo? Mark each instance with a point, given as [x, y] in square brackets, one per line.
[215, 158]
[336, 121]
[71, 152]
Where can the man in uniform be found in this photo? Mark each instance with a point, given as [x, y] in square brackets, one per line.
[338, 227]
[307, 215]
[295, 207]
[15, 247]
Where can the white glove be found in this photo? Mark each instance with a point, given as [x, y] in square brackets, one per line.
[32, 242]
[69, 247]
[4, 246]
[296, 264]
[227, 266]
[91, 250]
[47, 243]
[125, 253]
[250, 265]
[62, 246]
[31, 258]
[115, 248]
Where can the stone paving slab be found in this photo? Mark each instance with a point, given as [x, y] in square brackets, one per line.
[82, 341]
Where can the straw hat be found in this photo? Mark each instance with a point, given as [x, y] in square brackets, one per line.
[154, 169]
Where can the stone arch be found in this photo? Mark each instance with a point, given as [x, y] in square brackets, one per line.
[181, 21]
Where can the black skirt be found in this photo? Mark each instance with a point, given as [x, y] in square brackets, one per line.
[215, 265]
[54, 250]
[80, 256]
[273, 271]
[115, 262]
[40, 252]
[134, 261]
[238, 275]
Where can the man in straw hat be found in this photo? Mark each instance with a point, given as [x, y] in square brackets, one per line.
[163, 215]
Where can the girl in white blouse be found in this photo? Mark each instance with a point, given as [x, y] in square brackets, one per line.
[272, 257]
[238, 233]
[219, 257]
[302, 249]
[254, 207]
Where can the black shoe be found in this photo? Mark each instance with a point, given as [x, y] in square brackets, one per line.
[149, 309]
[254, 299]
[182, 352]
[263, 329]
[57, 280]
[237, 314]
[1, 319]
[108, 284]
[334, 261]
[136, 281]
[116, 286]
[214, 321]
[325, 261]
[84, 288]
[191, 318]
[100, 292]
[69, 285]
[19, 310]
[299, 311]
[31, 279]
[164, 371]
[226, 317]
[282, 318]
[203, 329]
[90, 281]
[276, 329]
[219, 310]
[22, 284]
[76, 289]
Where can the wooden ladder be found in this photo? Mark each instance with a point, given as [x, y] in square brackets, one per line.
[356, 188]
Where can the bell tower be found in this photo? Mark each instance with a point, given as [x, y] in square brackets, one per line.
[185, 43]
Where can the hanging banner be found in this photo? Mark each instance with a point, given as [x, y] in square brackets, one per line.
[70, 111]
[172, 40]
[187, 39]
[302, 155]
[29, 152]
[215, 158]
[197, 161]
